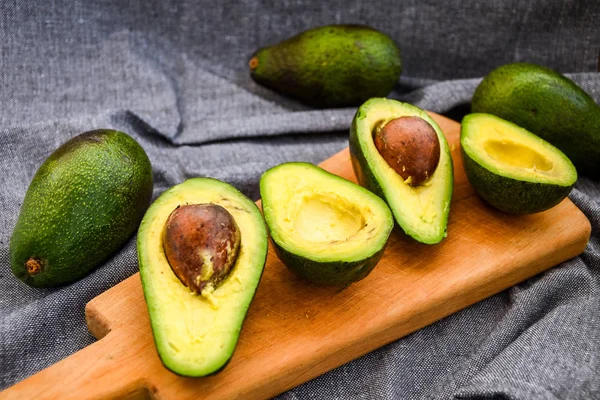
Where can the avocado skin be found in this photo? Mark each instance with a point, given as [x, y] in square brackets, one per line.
[512, 195]
[331, 66]
[364, 176]
[337, 273]
[547, 104]
[82, 205]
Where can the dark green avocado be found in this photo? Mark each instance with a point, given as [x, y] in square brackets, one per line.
[324, 228]
[82, 205]
[330, 66]
[512, 169]
[548, 104]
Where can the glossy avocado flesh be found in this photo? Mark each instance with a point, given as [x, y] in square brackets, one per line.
[196, 335]
[547, 104]
[83, 204]
[421, 211]
[326, 229]
[511, 168]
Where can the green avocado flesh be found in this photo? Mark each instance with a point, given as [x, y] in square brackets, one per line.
[196, 335]
[83, 204]
[330, 66]
[421, 211]
[326, 229]
[511, 168]
[547, 104]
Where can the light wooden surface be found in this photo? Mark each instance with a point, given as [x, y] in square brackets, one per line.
[296, 331]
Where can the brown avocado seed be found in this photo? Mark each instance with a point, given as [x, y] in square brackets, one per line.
[201, 243]
[410, 146]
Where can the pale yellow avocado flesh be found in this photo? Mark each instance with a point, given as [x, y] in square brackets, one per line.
[322, 215]
[517, 155]
[325, 218]
[425, 208]
[196, 335]
[511, 151]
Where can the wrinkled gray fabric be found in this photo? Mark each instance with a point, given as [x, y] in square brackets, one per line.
[174, 76]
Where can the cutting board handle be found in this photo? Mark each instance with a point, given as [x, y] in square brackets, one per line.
[97, 371]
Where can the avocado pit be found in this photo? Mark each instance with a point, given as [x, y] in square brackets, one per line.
[201, 243]
[410, 146]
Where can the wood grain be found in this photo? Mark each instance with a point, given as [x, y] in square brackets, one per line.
[296, 331]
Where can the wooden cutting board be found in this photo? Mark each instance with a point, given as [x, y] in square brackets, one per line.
[296, 331]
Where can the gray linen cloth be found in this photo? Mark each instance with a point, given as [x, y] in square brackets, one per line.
[174, 76]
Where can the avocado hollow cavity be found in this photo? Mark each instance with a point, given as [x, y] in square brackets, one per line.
[517, 155]
[325, 217]
[201, 243]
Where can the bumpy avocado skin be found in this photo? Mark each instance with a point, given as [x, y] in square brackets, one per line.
[337, 273]
[512, 195]
[331, 66]
[547, 104]
[82, 205]
[364, 175]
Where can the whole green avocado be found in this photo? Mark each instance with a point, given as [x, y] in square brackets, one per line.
[82, 205]
[547, 104]
[330, 66]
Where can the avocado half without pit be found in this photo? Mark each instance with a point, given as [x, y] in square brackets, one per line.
[399, 153]
[202, 247]
[324, 228]
[512, 169]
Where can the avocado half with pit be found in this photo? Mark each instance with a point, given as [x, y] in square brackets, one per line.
[324, 228]
[421, 211]
[196, 333]
[512, 169]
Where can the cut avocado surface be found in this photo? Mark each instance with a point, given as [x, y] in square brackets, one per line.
[421, 211]
[511, 168]
[325, 228]
[196, 335]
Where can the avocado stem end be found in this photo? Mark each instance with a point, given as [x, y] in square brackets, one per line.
[253, 63]
[33, 266]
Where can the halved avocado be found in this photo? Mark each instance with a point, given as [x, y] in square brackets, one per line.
[511, 168]
[195, 335]
[326, 229]
[421, 211]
